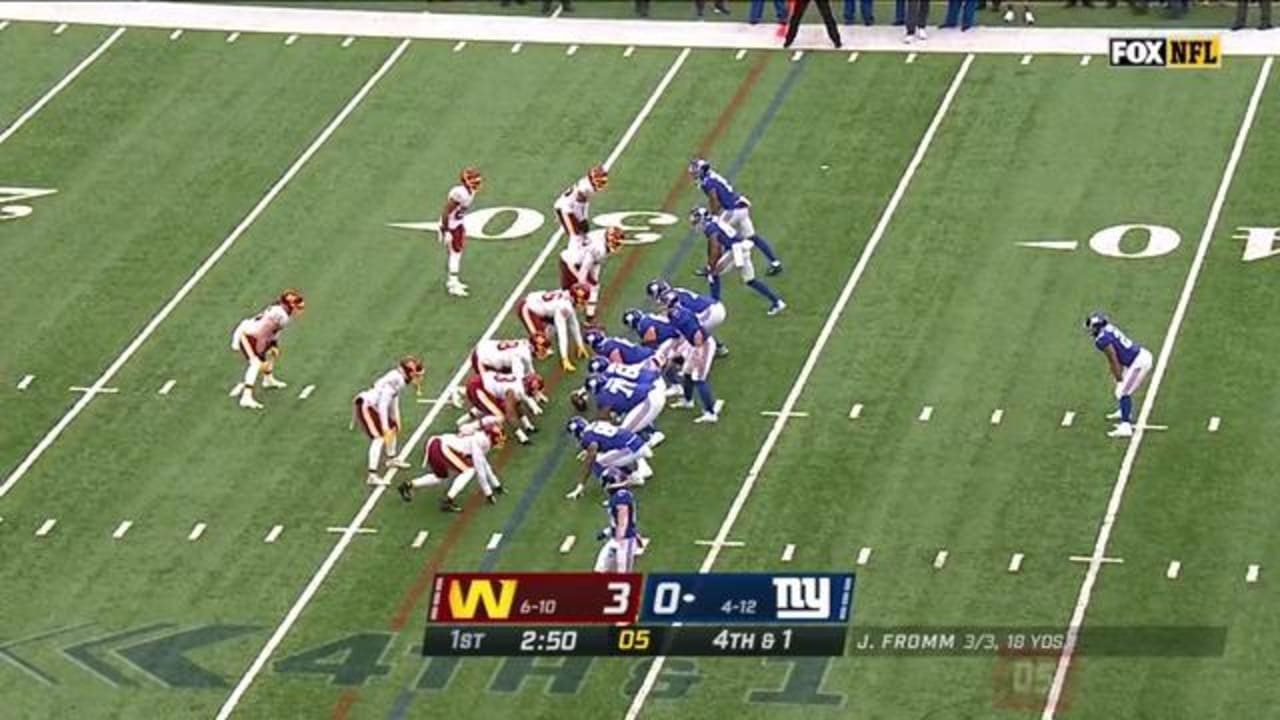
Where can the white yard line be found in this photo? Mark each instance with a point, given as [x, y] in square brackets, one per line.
[60, 86]
[344, 541]
[200, 272]
[1162, 364]
[748, 483]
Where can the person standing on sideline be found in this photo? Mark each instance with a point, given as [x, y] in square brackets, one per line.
[1242, 15]
[867, 16]
[955, 14]
[899, 12]
[757, 11]
[642, 8]
[824, 7]
[917, 16]
[699, 7]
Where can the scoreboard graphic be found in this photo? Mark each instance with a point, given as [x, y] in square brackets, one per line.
[713, 614]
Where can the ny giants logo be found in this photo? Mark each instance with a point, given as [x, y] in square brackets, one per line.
[803, 598]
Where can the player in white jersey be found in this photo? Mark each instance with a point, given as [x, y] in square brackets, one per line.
[463, 455]
[513, 357]
[453, 233]
[378, 412]
[557, 307]
[507, 397]
[258, 340]
[573, 205]
[581, 263]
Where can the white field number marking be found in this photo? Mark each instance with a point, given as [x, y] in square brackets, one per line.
[11, 207]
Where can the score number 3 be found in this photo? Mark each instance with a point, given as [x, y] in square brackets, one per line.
[621, 598]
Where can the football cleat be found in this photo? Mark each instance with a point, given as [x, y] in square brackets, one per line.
[597, 365]
[375, 480]
[270, 381]
[471, 178]
[491, 499]
[456, 288]
[775, 268]
[698, 167]
[413, 369]
[406, 491]
[576, 426]
[598, 177]
[1122, 430]
[448, 505]
[681, 404]
[247, 401]
[1009, 15]
[776, 308]
[1114, 415]
[656, 438]
[707, 417]
[500, 489]
[656, 288]
[613, 239]
[292, 301]
[398, 464]
[699, 216]
[568, 366]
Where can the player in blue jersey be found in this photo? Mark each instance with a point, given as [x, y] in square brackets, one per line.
[616, 349]
[698, 349]
[609, 447]
[710, 311]
[622, 540]
[1129, 363]
[732, 207]
[635, 403]
[726, 249]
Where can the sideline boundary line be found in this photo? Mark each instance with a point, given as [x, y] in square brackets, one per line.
[339, 548]
[201, 271]
[753, 474]
[1148, 402]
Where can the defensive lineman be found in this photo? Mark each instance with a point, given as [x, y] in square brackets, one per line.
[558, 307]
[258, 340]
[463, 455]
[732, 207]
[1129, 363]
[453, 234]
[573, 205]
[378, 412]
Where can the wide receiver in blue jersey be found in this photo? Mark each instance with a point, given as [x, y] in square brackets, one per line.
[731, 207]
[726, 249]
[1129, 363]
[622, 540]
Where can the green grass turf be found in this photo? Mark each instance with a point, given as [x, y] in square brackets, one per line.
[34, 60]
[951, 313]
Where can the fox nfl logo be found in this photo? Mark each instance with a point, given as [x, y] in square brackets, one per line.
[1202, 52]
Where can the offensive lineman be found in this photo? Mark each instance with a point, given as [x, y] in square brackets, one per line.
[464, 455]
[1129, 363]
[257, 338]
[453, 234]
[378, 411]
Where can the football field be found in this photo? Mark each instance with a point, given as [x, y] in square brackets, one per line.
[928, 411]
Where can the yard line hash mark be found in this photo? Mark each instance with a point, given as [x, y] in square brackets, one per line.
[461, 44]
[1175, 567]
[196, 531]
[26, 381]
[740, 54]
[167, 387]
[629, 51]
[1148, 402]
[59, 87]
[150, 328]
[175, 34]
[571, 50]
[233, 37]
[788, 553]
[1251, 575]
[347, 42]
[306, 392]
[795, 56]
[853, 56]
[494, 540]
[996, 416]
[911, 57]
[293, 38]
[567, 544]
[340, 547]
[122, 529]
[516, 48]
[940, 560]
[4, 24]
[420, 539]
[273, 534]
[793, 396]
[926, 412]
[62, 27]
[1015, 563]
[1026, 59]
[1084, 60]
[46, 527]
[1068, 418]
[855, 412]
[1214, 423]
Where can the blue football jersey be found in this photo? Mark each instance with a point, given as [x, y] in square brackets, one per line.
[693, 301]
[638, 374]
[620, 395]
[608, 437]
[629, 352]
[617, 500]
[663, 329]
[687, 324]
[1126, 350]
[720, 233]
[716, 185]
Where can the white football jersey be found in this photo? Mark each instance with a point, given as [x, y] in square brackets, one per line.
[513, 356]
[462, 197]
[550, 304]
[498, 385]
[266, 325]
[576, 199]
[589, 253]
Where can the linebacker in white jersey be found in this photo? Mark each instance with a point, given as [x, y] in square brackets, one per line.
[258, 340]
[558, 307]
[378, 412]
[581, 263]
[463, 455]
[513, 357]
[573, 206]
[453, 233]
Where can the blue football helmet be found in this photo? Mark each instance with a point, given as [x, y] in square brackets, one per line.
[698, 167]
[576, 426]
[593, 383]
[1095, 322]
[598, 364]
[699, 216]
[670, 298]
[656, 288]
[594, 338]
[631, 318]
